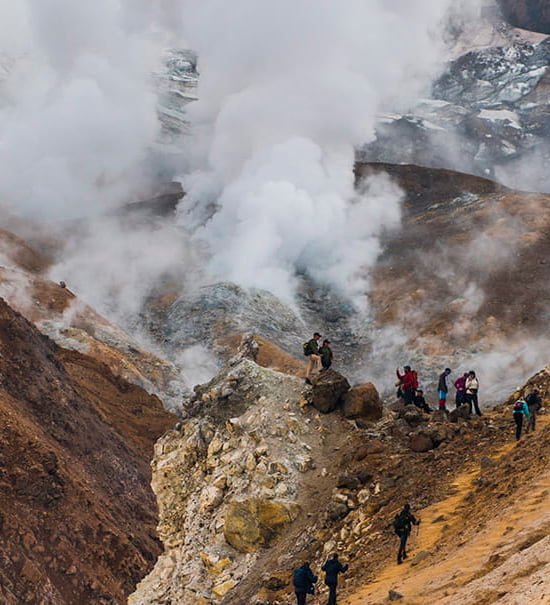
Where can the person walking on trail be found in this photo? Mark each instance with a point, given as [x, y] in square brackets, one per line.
[472, 388]
[442, 388]
[332, 568]
[311, 351]
[303, 579]
[521, 410]
[409, 381]
[326, 355]
[534, 403]
[402, 525]
[420, 401]
[460, 386]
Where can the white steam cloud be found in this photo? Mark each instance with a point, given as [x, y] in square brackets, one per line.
[287, 91]
[77, 113]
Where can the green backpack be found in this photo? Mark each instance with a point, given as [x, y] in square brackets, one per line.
[307, 348]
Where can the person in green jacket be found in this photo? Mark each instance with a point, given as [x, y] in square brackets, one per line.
[326, 354]
[311, 351]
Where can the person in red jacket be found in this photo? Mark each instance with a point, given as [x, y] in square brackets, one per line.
[460, 386]
[409, 380]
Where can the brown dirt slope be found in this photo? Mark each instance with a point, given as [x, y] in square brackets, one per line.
[482, 497]
[77, 514]
[469, 264]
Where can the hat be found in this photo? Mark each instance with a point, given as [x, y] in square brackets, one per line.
[316, 334]
[326, 341]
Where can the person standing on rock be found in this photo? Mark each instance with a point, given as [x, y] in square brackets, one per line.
[303, 579]
[311, 351]
[534, 403]
[326, 354]
[332, 568]
[402, 525]
[521, 409]
[472, 388]
[409, 381]
[443, 389]
[460, 386]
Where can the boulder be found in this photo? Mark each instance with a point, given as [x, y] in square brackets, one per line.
[255, 523]
[362, 402]
[373, 446]
[460, 412]
[420, 443]
[328, 388]
[412, 415]
[337, 511]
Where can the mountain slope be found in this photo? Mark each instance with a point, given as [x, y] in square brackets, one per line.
[77, 513]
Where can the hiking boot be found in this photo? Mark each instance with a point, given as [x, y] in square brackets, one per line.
[308, 381]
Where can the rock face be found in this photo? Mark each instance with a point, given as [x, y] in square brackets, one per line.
[235, 482]
[533, 15]
[328, 389]
[253, 523]
[76, 510]
[362, 402]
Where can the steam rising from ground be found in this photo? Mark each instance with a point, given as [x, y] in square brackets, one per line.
[287, 91]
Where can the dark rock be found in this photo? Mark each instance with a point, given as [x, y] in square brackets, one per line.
[337, 511]
[362, 402]
[440, 416]
[348, 482]
[364, 476]
[393, 595]
[328, 389]
[275, 583]
[460, 412]
[412, 415]
[420, 443]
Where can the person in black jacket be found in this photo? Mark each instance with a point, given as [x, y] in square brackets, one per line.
[303, 580]
[442, 388]
[332, 568]
[402, 524]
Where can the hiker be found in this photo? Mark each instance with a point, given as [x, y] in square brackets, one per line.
[442, 388]
[332, 568]
[520, 410]
[460, 386]
[472, 387]
[420, 402]
[303, 580]
[311, 351]
[534, 403]
[402, 524]
[326, 354]
[409, 382]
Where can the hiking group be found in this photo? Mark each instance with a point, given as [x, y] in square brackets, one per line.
[526, 408]
[319, 357]
[304, 579]
[467, 387]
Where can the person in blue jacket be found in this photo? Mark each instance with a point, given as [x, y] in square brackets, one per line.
[303, 580]
[521, 410]
[332, 568]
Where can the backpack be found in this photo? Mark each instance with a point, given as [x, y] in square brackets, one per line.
[299, 577]
[518, 406]
[400, 522]
[307, 348]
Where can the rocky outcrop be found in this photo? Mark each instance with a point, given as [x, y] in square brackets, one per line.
[77, 513]
[533, 15]
[362, 402]
[237, 482]
[328, 390]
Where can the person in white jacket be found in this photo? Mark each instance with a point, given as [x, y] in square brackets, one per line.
[472, 388]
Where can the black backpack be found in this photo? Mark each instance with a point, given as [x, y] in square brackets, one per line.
[518, 406]
[299, 578]
[400, 522]
[307, 348]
